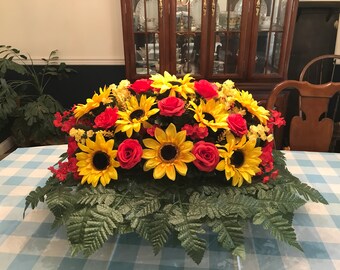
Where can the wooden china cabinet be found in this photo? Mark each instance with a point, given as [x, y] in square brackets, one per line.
[248, 41]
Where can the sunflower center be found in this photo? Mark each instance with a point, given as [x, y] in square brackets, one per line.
[100, 161]
[209, 117]
[137, 114]
[237, 158]
[168, 152]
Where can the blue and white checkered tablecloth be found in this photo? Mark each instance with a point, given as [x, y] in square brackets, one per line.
[31, 244]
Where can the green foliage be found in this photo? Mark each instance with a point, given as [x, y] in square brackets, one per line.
[25, 107]
[186, 208]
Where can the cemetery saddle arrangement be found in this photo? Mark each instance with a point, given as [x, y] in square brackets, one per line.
[171, 157]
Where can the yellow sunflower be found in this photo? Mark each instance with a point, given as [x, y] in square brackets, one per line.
[94, 102]
[136, 115]
[240, 160]
[247, 101]
[168, 153]
[97, 161]
[169, 82]
[212, 114]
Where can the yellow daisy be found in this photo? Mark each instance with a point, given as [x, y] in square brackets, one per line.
[168, 153]
[240, 160]
[97, 161]
[170, 83]
[136, 115]
[94, 102]
[212, 114]
[247, 101]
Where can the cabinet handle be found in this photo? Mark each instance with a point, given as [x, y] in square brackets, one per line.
[258, 5]
[204, 7]
[161, 9]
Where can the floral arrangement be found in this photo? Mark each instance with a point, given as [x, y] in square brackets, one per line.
[169, 155]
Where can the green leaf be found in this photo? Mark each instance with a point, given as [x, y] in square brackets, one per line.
[6, 64]
[278, 226]
[96, 195]
[280, 199]
[60, 200]
[188, 234]
[150, 206]
[159, 230]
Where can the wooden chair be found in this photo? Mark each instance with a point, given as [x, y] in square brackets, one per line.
[320, 70]
[311, 130]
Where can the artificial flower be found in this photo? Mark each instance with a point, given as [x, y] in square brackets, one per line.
[168, 153]
[141, 85]
[107, 118]
[96, 161]
[136, 115]
[237, 124]
[210, 114]
[206, 89]
[240, 160]
[171, 106]
[129, 153]
[207, 156]
[91, 103]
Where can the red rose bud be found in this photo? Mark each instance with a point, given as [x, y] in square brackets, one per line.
[206, 89]
[237, 124]
[141, 85]
[206, 155]
[107, 118]
[129, 153]
[171, 106]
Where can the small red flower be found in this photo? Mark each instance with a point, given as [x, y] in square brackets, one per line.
[129, 153]
[141, 85]
[171, 106]
[107, 118]
[206, 89]
[237, 124]
[206, 155]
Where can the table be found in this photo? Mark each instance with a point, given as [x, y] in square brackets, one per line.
[30, 243]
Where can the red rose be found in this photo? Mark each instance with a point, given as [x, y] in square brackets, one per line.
[129, 153]
[107, 118]
[171, 106]
[206, 89]
[141, 85]
[206, 155]
[237, 124]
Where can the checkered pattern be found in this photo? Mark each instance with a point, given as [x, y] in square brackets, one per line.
[31, 244]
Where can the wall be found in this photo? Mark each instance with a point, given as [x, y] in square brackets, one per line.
[84, 31]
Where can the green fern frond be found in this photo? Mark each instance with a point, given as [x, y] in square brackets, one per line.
[188, 234]
[229, 232]
[141, 226]
[97, 195]
[150, 206]
[100, 227]
[280, 199]
[159, 231]
[76, 226]
[279, 227]
[61, 200]
[38, 195]
[306, 191]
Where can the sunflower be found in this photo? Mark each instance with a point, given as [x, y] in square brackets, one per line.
[136, 115]
[94, 102]
[240, 160]
[212, 114]
[168, 153]
[97, 161]
[247, 101]
[170, 82]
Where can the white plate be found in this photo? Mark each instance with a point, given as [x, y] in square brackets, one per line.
[151, 11]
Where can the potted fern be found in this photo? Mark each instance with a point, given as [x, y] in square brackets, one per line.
[26, 109]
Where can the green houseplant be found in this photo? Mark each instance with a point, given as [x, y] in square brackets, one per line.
[26, 110]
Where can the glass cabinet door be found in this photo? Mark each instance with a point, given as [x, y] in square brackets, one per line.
[146, 36]
[188, 25]
[270, 16]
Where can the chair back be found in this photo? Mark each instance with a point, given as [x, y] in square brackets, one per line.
[311, 130]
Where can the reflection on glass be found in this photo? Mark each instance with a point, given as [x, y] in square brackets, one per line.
[146, 15]
[226, 52]
[147, 53]
[187, 53]
[268, 52]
